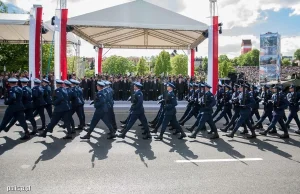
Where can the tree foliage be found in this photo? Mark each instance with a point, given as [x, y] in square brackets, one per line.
[116, 65]
[297, 54]
[225, 67]
[205, 64]
[3, 8]
[179, 64]
[163, 64]
[286, 62]
[249, 59]
[142, 67]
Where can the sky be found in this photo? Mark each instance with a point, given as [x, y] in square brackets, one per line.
[242, 19]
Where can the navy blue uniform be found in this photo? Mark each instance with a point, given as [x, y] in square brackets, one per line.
[111, 114]
[39, 103]
[15, 109]
[293, 99]
[100, 113]
[245, 102]
[254, 110]
[279, 103]
[265, 98]
[195, 108]
[207, 102]
[27, 102]
[220, 104]
[81, 107]
[226, 111]
[48, 99]
[61, 111]
[137, 112]
[190, 104]
[170, 115]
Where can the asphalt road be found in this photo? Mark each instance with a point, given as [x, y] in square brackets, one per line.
[263, 165]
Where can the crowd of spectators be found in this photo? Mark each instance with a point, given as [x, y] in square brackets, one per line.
[122, 85]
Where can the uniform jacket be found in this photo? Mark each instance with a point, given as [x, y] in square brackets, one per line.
[100, 102]
[27, 97]
[61, 100]
[207, 102]
[38, 96]
[14, 100]
[47, 94]
[293, 99]
[137, 105]
[171, 103]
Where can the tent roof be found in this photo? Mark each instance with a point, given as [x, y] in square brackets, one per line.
[138, 24]
[14, 29]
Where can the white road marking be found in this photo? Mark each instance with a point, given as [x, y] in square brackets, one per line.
[219, 160]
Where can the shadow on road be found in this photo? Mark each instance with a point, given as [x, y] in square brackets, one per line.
[180, 147]
[100, 148]
[142, 147]
[223, 146]
[9, 144]
[52, 149]
[263, 146]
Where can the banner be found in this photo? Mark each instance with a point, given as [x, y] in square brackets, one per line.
[270, 57]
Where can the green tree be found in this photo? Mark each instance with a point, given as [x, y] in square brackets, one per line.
[163, 64]
[116, 65]
[142, 67]
[297, 54]
[179, 64]
[223, 58]
[224, 68]
[89, 73]
[205, 64]
[235, 61]
[3, 7]
[254, 54]
[286, 62]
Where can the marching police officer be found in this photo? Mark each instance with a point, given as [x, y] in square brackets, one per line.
[77, 103]
[245, 102]
[206, 102]
[39, 102]
[218, 98]
[15, 108]
[196, 107]
[226, 111]
[61, 111]
[190, 102]
[27, 102]
[47, 97]
[254, 111]
[100, 113]
[293, 98]
[170, 114]
[265, 97]
[111, 114]
[279, 103]
[137, 112]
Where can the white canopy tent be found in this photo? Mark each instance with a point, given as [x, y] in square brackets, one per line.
[139, 25]
[14, 29]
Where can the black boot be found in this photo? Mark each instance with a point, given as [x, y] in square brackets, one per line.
[160, 137]
[244, 132]
[231, 135]
[140, 125]
[61, 125]
[183, 135]
[87, 136]
[153, 131]
[33, 132]
[215, 136]
[68, 136]
[147, 136]
[122, 135]
[223, 130]
[111, 136]
[43, 134]
[264, 133]
[123, 122]
[42, 128]
[284, 136]
[176, 132]
[190, 129]
[25, 137]
[123, 126]
[79, 128]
